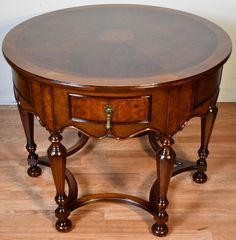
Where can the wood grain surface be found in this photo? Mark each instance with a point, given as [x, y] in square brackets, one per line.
[198, 212]
[116, 45]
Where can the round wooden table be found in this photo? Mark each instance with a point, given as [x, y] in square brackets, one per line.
[116, 71]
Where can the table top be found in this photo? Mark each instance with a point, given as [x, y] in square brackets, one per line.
[116, 45]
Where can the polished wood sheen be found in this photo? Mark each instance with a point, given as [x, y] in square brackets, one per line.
[117, 71]
[27, 204]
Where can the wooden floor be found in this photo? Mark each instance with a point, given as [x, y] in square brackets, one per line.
[200, 212]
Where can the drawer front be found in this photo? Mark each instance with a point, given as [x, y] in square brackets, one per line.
[126, 110]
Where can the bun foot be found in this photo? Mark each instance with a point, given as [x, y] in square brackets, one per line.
[159, 230]
[63, 226]
[199, 177]
[34, 171]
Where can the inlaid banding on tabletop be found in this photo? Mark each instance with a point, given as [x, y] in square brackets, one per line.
[118, 71]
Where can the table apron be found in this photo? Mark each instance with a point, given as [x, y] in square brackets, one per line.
[164, 109]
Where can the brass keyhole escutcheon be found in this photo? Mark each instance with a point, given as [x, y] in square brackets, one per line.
[108, 110]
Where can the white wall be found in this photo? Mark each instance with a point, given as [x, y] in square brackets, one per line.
[222, 13]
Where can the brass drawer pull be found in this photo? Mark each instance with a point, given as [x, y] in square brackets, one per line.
[108, 110]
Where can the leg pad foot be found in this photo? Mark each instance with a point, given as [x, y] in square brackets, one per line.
[159, 230]
[199, 177]
[63, 226]
[34, 171]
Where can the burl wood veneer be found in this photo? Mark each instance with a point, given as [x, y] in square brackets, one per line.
[116, 71]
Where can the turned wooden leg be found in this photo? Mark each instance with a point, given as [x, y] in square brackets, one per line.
[57, 160]
[207, 123]
[158, 198]
[27, 120]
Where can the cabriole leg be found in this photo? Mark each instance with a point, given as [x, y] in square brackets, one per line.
[158, 199]
[57, 160]
[27, 120]
[207, 123]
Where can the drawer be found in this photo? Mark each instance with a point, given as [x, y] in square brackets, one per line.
[126, 110]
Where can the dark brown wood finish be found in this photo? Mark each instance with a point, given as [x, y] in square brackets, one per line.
[57, 160]
[27, 119]
[207, 123]
[120, 71]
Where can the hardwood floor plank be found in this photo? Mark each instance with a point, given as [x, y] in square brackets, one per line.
[197, 212]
